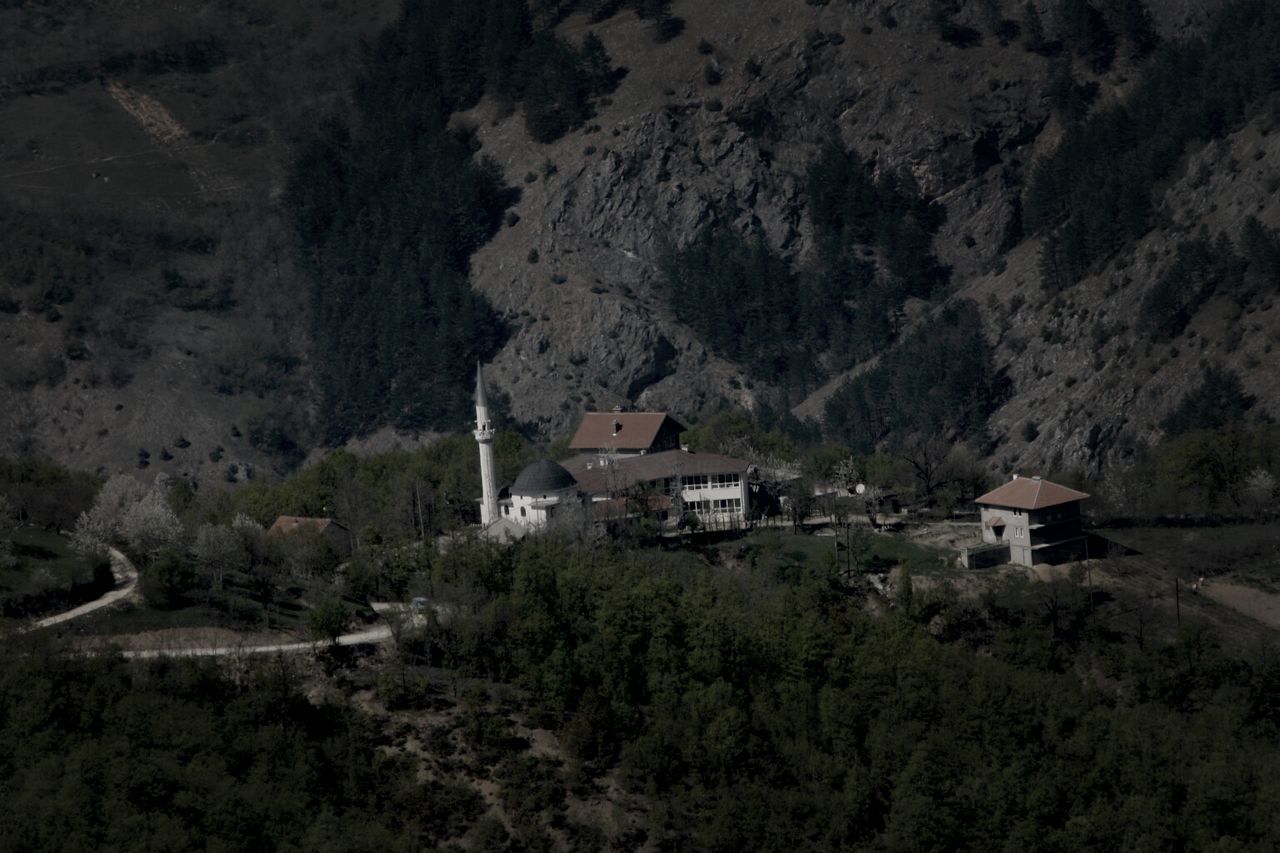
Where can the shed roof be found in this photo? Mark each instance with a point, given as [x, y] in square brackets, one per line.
[621, 430]
[1030, 493]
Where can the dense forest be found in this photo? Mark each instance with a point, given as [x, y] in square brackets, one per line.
[764, 711]
[1205, 268]
[793, 326]
[940, 381]
[745, 696]
[1094, 194]
[96, 754]
[389, 211]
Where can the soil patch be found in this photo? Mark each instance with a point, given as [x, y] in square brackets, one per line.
[185, 638]
[1254, 603]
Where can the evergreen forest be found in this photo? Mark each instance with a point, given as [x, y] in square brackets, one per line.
[390, 205]
[754, 708]
[794, 326]
[1094, 194]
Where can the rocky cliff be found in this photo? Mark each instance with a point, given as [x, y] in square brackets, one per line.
[671, 152]
[718, 124]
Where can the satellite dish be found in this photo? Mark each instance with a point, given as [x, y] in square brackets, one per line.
[861, 488]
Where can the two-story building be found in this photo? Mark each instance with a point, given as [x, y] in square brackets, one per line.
[671, 484]
[1038, 520]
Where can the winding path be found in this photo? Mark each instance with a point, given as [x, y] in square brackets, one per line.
[126, 577]
[126, 585]
[381, 634]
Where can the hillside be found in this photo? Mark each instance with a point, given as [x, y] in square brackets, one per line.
[152, 312]
[158, 305]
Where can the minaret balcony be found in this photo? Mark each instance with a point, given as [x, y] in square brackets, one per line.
[485, 434]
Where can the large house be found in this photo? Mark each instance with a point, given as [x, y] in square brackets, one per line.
[673, 485]
[1038, 520]
[627, 433]
[629, 464]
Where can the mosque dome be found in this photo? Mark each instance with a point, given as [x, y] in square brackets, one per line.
[541, 478]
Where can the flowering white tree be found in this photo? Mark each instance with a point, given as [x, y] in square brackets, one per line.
[99, 526]
[151, 525]
[1260, 490]
[127, 512]
[250, 533]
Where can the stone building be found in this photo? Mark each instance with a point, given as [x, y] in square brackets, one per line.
[1038, 520]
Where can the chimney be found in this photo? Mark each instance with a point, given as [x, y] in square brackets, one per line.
[617, 425]
[1015, 476]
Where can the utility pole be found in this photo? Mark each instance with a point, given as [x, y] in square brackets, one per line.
[1089, 581]
[1177, 601]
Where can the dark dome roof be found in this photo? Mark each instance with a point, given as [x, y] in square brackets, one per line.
[542, 477]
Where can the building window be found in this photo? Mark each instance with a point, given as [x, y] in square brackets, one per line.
[522, 512]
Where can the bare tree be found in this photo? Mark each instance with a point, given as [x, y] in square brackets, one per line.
[844, 474]
[928, 457]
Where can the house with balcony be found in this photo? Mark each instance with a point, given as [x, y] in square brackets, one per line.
[670, 486]
[1037, 520]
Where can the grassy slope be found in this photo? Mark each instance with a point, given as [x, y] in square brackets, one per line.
[193, 320]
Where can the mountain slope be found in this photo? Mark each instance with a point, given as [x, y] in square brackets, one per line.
[190, 321]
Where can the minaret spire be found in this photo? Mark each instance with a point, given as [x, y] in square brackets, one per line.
[484, 438]
[482, 399]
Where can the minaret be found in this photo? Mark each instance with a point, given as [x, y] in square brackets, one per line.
[484, 437]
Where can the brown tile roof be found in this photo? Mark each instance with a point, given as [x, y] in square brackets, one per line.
[290, 523]
[1030, 493]
[596, 478]
[635, 430]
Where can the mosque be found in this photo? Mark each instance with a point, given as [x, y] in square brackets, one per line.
[627, 464]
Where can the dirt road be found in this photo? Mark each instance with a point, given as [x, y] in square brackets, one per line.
[126, 584]
[1261, 606]
[381, 634]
